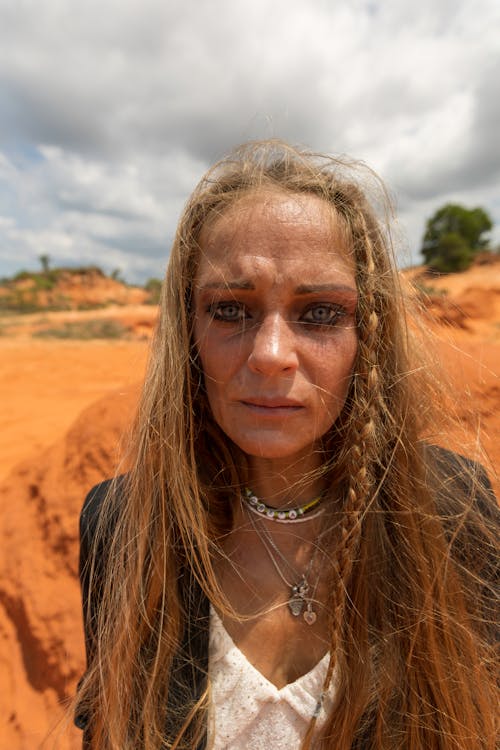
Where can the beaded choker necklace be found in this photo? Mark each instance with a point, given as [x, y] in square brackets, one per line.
[282, 515]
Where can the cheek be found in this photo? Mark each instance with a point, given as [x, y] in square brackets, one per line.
[210, 377]
[336, 378]
[211, 361]
[204, 348]
[216, 375]
[337, 364]
[220, 355]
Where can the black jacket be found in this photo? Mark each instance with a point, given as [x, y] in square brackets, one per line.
[190, 665]
[191, 662]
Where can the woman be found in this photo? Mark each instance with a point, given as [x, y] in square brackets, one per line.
[287, 563]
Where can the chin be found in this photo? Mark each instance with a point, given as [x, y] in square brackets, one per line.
[270, 453]
[274, 450]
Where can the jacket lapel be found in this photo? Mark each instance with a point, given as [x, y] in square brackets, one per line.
[190, 665]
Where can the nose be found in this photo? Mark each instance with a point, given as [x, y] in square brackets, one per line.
[273, 347]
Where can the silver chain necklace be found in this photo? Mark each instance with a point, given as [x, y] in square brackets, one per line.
[299, 591]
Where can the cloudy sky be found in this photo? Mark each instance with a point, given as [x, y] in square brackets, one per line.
[111, 110]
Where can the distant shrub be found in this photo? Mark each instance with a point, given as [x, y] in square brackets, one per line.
[153, 287]
[45, 281]
[20, 276]
[86, 330]
[24, 302]
[54, 274]
[84, 270]
[91, 305]
[42, 280]
[116, 275]
[427, 290]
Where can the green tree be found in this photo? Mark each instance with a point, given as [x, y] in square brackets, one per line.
[453, 236]
[45, 261]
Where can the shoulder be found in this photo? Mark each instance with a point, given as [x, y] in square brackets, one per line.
[92, 506]
[458, 478]
[97, 520]
[464, 498]
[470, 515]
[94, 503]
[455, 464]
[468, 509]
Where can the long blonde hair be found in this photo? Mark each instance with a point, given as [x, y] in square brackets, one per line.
[410, 644]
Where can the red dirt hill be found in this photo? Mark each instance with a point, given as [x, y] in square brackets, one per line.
[40, 625]
[68, 289]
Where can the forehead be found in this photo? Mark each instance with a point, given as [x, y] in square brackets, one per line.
[294, 232]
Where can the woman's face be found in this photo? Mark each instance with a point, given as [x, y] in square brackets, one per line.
[275, 299]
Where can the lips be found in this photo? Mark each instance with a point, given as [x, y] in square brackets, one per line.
[272, 405]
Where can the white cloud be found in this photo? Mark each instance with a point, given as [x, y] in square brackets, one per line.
[111, 111]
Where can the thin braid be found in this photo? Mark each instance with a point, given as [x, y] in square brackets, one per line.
[358, 464]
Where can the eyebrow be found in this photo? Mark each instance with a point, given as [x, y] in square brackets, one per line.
[301, 289]
[228, 285]
[313, 288]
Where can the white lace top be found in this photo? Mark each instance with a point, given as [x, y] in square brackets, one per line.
[249, 712]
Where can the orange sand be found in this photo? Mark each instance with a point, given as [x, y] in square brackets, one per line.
[46, 384]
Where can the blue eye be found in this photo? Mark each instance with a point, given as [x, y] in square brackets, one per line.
[323, 314]
[228, 312]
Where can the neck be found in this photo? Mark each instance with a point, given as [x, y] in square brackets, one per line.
[282, 484]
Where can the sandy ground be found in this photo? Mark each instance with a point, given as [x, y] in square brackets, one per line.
[64, 406]
[46, 384]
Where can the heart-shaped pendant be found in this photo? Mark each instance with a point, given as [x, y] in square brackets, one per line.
[309, 616]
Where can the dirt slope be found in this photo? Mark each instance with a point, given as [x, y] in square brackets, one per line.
[41, 652]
